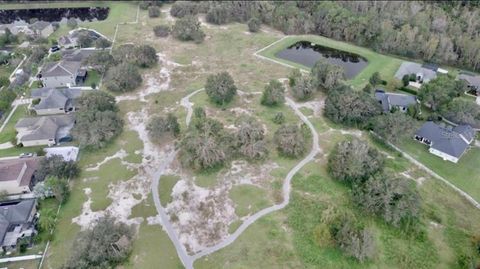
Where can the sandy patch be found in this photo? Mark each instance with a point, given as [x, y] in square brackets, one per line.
[315, 106]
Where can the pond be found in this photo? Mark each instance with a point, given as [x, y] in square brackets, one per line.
[307, 54]
[53, 14]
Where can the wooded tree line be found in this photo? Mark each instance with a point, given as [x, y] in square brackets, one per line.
[443, 32]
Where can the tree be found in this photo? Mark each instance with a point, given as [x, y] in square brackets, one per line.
[220, 88]
[217, 15]
[56, 166]
[184, 8]
[393, 126]
[254, 25]
[188, 29]
[58, 187]
[161, 126]
[389, 197]
[440, 91]
[355, 241]
[250, 139]
[290, 141]
[279, 118]
[106, 245]
[326, 76]
[124, 53]
[201, 151]
[153, 12]
[72, 23]
[94, 129]
[273, 94]
[47, 219]
[354, 161]
[96, 101]
[38, 53]
[161, 30]
[102, 43]
[294, 75]
[368, 88]
[145, 56]
[462, 111]
[375, 79]
[84, 40]
[352, 108]
[6, 98]
[303, 89]
[122, 78]
[100, 61]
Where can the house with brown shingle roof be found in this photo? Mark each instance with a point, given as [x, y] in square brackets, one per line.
[17, 176]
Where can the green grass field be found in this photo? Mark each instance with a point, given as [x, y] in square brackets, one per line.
[465, 174]
[9, 133]
[386, 65]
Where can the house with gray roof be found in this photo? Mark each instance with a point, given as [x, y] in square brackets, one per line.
[423, 73]
[78, 55]
[473, 81]
[55, 101]
[390, 101]
[448, 143]
[42, 29]
[17, 176]
[60, 74]
[17, 221]
[45, 130]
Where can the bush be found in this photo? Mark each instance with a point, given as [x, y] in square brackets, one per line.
[273, 94]
[184, 8]
[188, 29]
[375, 79]
[161, 126]
[326, 76]
[123, 78]
[105, 245]
[220, 88]
[102, 43]
[279, 118]
[217, 15]
[145, 56]
[153, 12]
[303, 89]
[250, 139]
[254, 25]
[290, 141]
[354, 161]
[355, 241]
[161, 30]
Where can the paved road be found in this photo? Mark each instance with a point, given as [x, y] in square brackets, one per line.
[185, 102]
[188, 260]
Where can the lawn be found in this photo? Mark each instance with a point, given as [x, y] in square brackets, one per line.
[386, 65]
[93, 78]
[8, 133]
[465, 174]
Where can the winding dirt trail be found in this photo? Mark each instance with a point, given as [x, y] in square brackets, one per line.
[188, 260]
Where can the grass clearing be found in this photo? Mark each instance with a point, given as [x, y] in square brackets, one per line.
[465, 174]
[8, 133]
[386, 65]
[165, 188]
[248, 199]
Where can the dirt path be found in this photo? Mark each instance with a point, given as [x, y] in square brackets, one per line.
[188, 260]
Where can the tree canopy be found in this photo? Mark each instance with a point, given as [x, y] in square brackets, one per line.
[440, 91]
[220, 88]
[290, 141]
[273, 94]
[393, 126]
[326, 76]
[122, 78]
[188, 29]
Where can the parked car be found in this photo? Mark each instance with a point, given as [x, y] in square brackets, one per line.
[54, 48]
[26, 155]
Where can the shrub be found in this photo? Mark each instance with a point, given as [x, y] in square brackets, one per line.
[290, 141]
[188, 29]
[153, 12]
[184, 8]
[161, 126]
[161, 30]
[273, 94]
[303, 89]
[217, 15]
[123, 78]
[102, 43]
[279, 118]
[254, 25]
[220, 88]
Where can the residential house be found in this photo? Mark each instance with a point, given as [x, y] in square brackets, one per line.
[18, 27]
[67, 153]
[398, 101]
[42, 29]
[71, 40]
[473, 82]
[17, 175]
[448, 143]
[55, 101]
[61, 74]
[17, 221]
[67, 42]
[423, 73]
[78, 55]
[45, 130]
